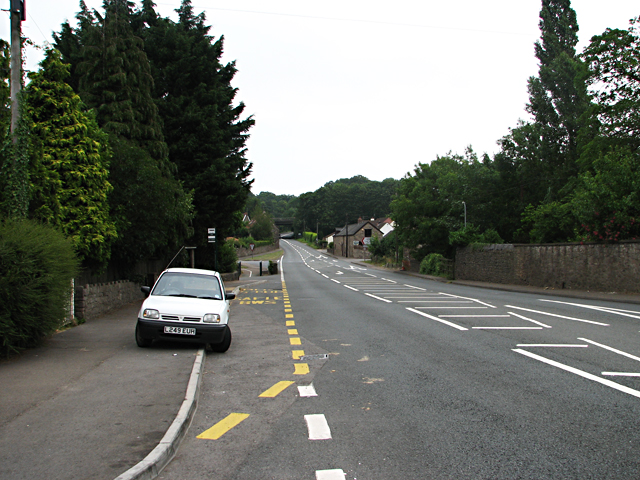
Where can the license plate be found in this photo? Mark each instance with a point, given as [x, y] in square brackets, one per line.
[180, 330]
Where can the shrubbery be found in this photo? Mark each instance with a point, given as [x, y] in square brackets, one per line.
[433, 264]
[37, 265]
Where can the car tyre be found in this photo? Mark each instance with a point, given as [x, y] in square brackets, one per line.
[223, 346]
[141, 341]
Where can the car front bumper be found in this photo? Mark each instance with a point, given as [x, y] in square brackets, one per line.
[205, 333]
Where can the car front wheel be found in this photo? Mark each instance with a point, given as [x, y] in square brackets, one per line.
[223, 346]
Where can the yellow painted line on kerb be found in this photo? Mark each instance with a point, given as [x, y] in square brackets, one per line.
[223, 426]
[292, 331]
[296, 354]
[288, 315]
[294, 341]
[301, 368]
[290, 323]
[276, 389]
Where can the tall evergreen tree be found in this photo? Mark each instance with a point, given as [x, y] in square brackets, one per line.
[150, 207]
[69, 182]
[558, 96]
[203, 128]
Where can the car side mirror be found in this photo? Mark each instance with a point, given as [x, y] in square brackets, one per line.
[229, 295]
[145, 290]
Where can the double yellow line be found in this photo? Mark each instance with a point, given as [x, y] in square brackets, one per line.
[233, 419]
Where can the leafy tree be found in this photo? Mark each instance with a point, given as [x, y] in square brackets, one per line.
[422, 209]
[613, 60]
[262, 227]
[14, 168]
[345, 200]
[5, 89]
[607, 199]
[69, 182]
[278, 205]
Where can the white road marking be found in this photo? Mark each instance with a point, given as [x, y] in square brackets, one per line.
[335, 474]
[530, 320]
[466, 298]
[611, 349]
[621, 374]
[551, 345]
[506, 328]
[580, 373]
[318, 427]
[437, 319]
[351, 288]
[379, 298]
[430, 301]
[617, 311]
[307, 390]
[558, 316]
[334, 280]
[473, 316]
[417, 288]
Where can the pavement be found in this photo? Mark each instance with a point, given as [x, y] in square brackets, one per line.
[90, 404]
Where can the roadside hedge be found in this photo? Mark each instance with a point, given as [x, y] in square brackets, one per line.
[37, 265]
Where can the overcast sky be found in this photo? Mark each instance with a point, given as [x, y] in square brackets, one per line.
[363, 87]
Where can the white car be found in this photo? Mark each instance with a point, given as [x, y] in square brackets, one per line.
[186, 305]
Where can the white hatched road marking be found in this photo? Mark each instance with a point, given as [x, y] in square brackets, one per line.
[580, 373]
[611, 349]
[437, 319]
[558, 316]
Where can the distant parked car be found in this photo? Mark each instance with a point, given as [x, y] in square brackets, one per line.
[186, 305]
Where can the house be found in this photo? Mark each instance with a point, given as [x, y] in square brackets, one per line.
[385, 225]
[353, 240]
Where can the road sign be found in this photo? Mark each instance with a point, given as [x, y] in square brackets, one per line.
[252, 246]
[211, 235]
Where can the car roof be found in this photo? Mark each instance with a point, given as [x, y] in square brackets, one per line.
[195, 271]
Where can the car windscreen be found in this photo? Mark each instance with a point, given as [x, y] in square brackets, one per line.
[179, 284]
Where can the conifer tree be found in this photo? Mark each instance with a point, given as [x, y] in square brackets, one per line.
[203, 128]
[558, 96]
[150, 207]
[70, 164]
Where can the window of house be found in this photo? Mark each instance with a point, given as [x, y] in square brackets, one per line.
[367, 232]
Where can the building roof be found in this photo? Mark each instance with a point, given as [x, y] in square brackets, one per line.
[355, 228]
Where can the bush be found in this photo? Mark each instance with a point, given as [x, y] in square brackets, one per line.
[432, 264]
[273, 267]
[227, 257]
[37, 265]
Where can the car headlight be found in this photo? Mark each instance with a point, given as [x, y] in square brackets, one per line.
[151, 313]
[211, 318]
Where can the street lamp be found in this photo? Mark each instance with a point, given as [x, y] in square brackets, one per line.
[465, 214]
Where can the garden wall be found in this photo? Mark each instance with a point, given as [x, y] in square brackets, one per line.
[593, 266]
[93, 300]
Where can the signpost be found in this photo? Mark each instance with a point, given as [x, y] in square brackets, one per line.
[211, 238]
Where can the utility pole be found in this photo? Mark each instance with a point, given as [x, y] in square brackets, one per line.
[18, 15]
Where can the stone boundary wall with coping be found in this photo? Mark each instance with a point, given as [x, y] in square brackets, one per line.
[246, 252]
[589, 266]
[92, 300]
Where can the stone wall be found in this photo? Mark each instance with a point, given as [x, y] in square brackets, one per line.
[246, 252]
[92, 300]
[592, 266]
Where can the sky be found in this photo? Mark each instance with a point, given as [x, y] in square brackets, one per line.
[340, 88]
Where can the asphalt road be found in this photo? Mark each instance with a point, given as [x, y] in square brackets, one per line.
[415, 379]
